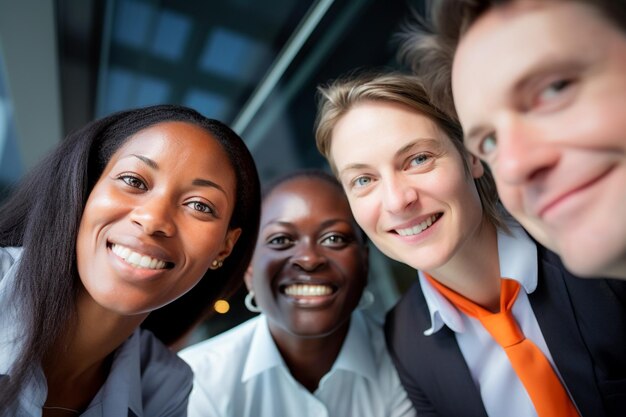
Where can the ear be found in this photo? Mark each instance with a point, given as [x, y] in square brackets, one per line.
[229, 243]
[247, 277]
[476, 166]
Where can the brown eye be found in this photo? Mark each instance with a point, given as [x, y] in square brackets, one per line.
[201, 207]
[133, 181]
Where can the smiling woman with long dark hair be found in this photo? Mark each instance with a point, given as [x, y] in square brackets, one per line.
[132, 221]
[310, 353]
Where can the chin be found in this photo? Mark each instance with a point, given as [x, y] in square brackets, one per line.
[585, 267]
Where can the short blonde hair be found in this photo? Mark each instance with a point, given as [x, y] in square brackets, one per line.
[337, 98]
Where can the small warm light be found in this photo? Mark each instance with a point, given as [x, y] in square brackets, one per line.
[221, 306]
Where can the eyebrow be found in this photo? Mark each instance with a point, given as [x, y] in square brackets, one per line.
[527, 76]
[402, 150]
[198, 181]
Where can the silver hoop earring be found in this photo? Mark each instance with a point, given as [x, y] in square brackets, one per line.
[250, 303]
[367, 299]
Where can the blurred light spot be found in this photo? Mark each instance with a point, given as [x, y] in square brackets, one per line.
[221, 306]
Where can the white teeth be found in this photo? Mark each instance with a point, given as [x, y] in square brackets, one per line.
[136, 259]
[418, 228]
[305, 290]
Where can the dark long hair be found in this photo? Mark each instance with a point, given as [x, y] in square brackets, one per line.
[44, 212]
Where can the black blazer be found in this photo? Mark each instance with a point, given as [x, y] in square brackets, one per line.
[583, 322]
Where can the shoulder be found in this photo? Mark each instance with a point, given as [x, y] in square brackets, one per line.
[228, 346]
[8, 258]
[375, 335]
[218, 365]
[408, 312]
[166, 380]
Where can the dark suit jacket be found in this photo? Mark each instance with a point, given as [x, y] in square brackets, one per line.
[582, 320]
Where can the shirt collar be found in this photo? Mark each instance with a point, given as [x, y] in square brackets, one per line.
[518, 261]
[356, 354]
[122, 389]
[263, 353]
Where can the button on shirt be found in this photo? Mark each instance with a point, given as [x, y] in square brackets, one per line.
[501, 390]
[241, 373]
[146, 378]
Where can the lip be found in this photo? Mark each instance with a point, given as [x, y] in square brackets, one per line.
[144, 248]
[135, 274]
[552, 203]
[416, 222]
[309, 301]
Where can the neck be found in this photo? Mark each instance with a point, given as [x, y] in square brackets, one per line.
[474, 271]
[309, 358]
[80, 360]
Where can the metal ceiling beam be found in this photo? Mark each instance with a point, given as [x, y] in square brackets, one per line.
[28, 43]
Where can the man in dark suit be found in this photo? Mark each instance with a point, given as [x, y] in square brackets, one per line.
[539, 88]
[584, 326]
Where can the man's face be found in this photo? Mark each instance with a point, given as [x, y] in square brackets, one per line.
[540, 89]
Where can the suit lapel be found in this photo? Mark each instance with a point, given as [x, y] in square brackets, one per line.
[451, 387]
[552, 305]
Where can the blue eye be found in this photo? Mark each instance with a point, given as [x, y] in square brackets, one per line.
[420, 159]
[133, 181]
[362, 181]
[487, 145]
[553, 89]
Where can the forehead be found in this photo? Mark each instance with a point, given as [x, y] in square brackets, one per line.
[306, 196]
[181, 145]
[508, 42]
[372, 129]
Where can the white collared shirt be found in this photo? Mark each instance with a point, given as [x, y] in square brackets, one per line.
[241, 373]
[500, 388]
[146, 378]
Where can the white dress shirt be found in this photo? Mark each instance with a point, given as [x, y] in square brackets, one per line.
[146, 378]
[501, 390]
[241, 373]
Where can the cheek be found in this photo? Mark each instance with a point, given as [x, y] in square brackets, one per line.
[365, 213]
[510, 197]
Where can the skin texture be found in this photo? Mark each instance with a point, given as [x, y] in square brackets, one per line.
[403, 172]
[550, 122]
[308, 236]
[173, 209]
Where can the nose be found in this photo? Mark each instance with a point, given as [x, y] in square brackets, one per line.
[524, 152]
[154, 216]
[307, 256]
[398, 193]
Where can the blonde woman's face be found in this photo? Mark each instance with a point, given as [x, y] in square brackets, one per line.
[406, 183]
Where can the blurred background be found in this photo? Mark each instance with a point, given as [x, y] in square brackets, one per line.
[253, 64]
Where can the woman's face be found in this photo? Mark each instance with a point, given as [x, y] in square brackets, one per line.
[310, 264]
[156, 219]
[406, 183]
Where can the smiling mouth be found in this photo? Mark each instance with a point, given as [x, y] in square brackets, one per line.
[139, 260]
[308, 290]
[565, 196]
[419, 228]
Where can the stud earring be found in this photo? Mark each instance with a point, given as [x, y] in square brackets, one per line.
[216, 264]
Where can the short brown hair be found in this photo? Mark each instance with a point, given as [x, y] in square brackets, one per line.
[429, 44]
[337, 98]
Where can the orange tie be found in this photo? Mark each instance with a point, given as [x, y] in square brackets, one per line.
[531, 366]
